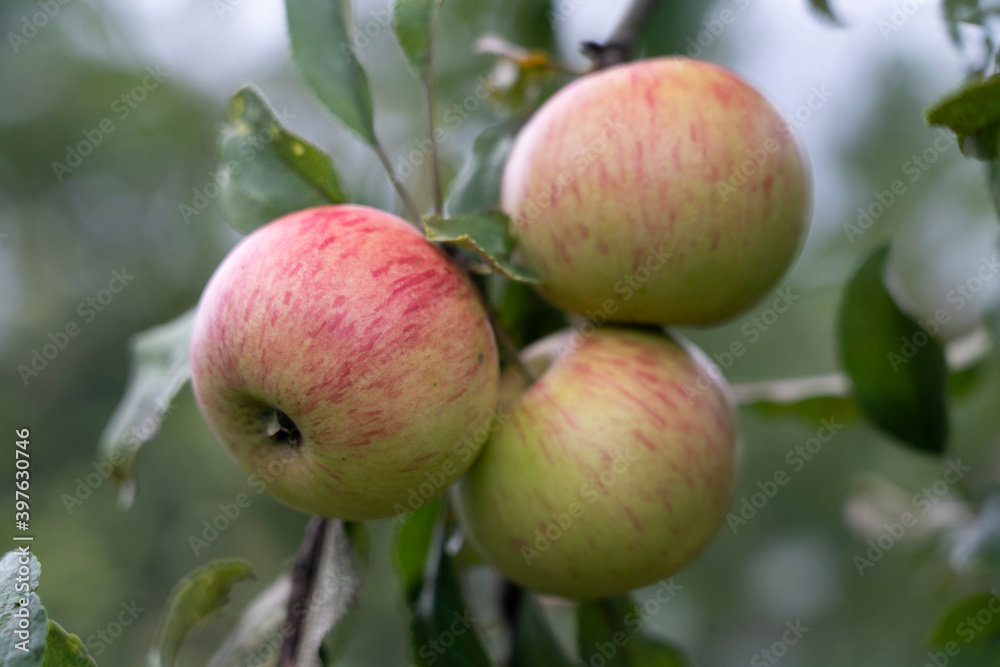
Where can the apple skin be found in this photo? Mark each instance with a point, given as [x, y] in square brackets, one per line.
[624, 166]
[612, 470]
[367, 337]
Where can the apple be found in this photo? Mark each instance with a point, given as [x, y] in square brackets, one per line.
[612, 471]
[342, 359]
[664, 191]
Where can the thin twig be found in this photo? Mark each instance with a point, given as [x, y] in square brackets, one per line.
[429, 89]
[620, 46]
[303, 572]
[411, 208]
[507, 344]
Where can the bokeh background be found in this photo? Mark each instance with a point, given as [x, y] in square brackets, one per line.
[855, 95]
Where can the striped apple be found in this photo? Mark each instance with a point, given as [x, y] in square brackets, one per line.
[342, 359]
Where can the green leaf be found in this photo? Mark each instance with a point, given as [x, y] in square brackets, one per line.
[21, 569]
[535, 645]
[606, 627]
[485, 233]
[65, 650]
[336, 594]
[412, 546]
[196, 599]
[963, 622]
[477, 186]
[434, 595]
[824, 10]
[972, 107]
[323, 47]
[413, 22]
[258, 632]
[159, 367]
[270, 171]
[899, 373]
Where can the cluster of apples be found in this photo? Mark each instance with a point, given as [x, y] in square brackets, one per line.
[344, 358]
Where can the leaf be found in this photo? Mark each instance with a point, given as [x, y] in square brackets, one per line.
[196, 599]
[412, 546]
[324, 50]
[477, 186]
[964, 623]
[269, 171]
[434, 595]
[487, 234]
[973, 114]
[899, 372]
[14, 616]
[413, 22]
[535, 645]
[258, 633]
[824, 10]
[65, 650]
[336, 592]
[603, 628]
[159, 366]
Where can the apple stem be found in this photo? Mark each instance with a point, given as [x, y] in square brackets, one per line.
[303, 572]
[620, 46]
[429, 90]
[412, 212]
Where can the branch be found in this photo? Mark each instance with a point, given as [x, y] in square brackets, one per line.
[303, 573]
[429, 89]
[961, 354]
[621, 44]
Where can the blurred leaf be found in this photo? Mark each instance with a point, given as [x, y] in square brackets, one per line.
[322, 34]
[336, 593]
[413, 22]
[963, 382]
[973, 114]
[159, 366]
[11, 612]
[438, 606]
[269, 171]
[65, 650]
[526, 315]
[258, 633]
[412, 546]
[477, 186]
[961, 625]
[671, 29]
[824, 9]
[486, 233]
[195, 600]
[605, 635]
[838, 408]
[535, 645]
[898, 382]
